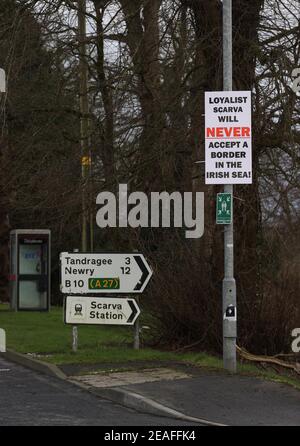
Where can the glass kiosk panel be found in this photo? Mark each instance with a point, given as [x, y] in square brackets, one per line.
[30, 259]
[30, 270]
[30, 297]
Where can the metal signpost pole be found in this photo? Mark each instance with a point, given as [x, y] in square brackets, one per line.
[74, 338]
[2, 341]
[136, 342]
[2, 81]
[75, 328]
[229, 286]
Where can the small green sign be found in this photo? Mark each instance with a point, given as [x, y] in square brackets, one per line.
[224, 209]
[104, 283]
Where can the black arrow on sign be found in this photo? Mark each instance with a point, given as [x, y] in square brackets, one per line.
[145, 273]
[134, 310]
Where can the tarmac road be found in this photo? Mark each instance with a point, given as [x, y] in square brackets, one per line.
[28, 398]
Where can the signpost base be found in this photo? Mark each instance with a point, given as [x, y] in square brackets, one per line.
[74, 339]
[2, 341]
[136, 342]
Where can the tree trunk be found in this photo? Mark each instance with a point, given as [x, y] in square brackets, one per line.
[143, 41]
[4, 231]
[247, 207]
[108, 157]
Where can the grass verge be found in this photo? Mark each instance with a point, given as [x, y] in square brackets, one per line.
[48, 338]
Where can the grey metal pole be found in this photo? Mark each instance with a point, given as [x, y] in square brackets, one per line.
[74, 338]
[136, 342]
[229, 286]
[75, 328]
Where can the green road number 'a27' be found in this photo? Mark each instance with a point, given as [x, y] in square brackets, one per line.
[104, 283]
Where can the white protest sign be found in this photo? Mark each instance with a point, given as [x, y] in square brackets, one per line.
[228, 137]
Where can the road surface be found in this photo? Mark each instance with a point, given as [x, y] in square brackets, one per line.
[28, 398]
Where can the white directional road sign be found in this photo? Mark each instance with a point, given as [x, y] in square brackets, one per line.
[84, 273]
[100, 310]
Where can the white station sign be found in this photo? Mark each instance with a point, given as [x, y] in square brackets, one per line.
[228, 137]
[85, 273]
[100, 310]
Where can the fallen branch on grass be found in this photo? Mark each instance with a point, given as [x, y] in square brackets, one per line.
[267, 359]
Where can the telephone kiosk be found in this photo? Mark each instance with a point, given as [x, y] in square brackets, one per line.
[30, 269]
